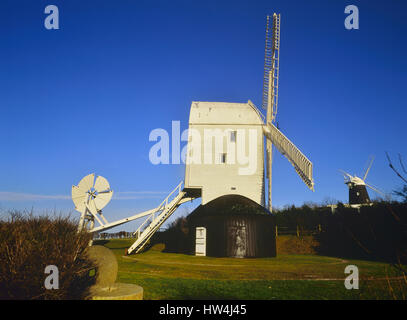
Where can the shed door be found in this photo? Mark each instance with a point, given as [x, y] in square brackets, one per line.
[237, 241]
[200, 241]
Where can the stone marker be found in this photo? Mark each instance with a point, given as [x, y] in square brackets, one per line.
[105, 287]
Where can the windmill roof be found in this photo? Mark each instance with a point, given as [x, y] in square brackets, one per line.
[203, 112]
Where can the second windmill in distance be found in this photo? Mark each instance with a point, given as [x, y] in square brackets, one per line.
[357, 186]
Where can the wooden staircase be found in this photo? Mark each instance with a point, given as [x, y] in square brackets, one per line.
[157, 218]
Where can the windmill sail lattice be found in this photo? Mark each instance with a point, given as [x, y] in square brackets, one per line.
[300, 162]
[271, 65]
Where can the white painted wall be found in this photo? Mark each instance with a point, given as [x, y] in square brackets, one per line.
[216, 178]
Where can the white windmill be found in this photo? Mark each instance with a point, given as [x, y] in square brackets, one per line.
[357, 187]
[213, 179]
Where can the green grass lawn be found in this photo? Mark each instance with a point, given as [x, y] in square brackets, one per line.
[180, 276]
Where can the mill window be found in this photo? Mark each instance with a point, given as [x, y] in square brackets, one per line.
[233, 136]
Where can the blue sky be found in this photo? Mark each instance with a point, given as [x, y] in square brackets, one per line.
[84, 98]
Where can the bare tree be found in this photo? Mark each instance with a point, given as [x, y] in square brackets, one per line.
[402, 174]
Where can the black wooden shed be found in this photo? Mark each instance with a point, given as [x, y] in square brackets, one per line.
[235, 227]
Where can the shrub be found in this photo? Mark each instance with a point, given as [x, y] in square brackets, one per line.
[290, 244]
[374, 232]
[176, 236]
[29, 244]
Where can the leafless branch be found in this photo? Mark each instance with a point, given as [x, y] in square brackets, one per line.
[394, 169]
[401, 164]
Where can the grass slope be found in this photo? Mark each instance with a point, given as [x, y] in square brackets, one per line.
[180, 276]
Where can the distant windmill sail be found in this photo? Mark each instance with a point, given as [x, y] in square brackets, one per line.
[368, 168]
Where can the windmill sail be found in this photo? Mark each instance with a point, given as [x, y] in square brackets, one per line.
[271, 66]
[368, 168]
[300, 162]
[270, 86]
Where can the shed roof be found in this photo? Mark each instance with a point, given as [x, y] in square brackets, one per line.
[232, 204]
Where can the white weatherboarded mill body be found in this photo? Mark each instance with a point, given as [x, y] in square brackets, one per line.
[225, 151]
